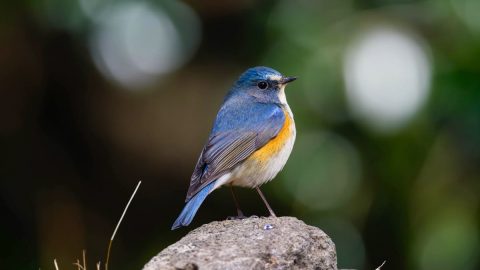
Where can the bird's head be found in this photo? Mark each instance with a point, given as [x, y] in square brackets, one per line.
[264, 84]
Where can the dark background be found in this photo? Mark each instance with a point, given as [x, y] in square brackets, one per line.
[97, 95]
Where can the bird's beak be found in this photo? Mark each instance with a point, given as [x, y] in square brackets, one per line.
[286, 80]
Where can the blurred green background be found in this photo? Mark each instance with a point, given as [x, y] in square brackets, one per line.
[96, 95]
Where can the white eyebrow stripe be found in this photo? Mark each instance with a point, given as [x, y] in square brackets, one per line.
[274, 77]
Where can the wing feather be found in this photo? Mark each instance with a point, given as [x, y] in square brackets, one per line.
[228, 147]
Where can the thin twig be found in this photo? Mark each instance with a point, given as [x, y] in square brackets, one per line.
[118, 225]
[108, 253]
[84, 261]
[79, 266]
[380, 267]
[55, 263]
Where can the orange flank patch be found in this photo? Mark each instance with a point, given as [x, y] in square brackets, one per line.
[276, 144]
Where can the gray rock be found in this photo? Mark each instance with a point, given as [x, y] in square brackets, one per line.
[252, 243]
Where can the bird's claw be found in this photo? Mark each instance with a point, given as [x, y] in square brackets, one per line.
[239, 217]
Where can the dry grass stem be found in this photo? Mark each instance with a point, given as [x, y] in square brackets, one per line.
[84, 260]
[118, 224]
[78, 265]
[380, 267]
[84, 255]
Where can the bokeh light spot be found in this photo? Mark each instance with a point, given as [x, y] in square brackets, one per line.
[135, 42]
[387, 77]
[451, 242]
[468, 11]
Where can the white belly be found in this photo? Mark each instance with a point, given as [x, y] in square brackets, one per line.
[252, 173]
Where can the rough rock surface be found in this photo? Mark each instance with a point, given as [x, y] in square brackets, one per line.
[252, 243]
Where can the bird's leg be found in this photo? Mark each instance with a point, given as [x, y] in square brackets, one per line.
[240, 214]
[266, 203]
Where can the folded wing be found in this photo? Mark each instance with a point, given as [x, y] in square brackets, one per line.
[238, 132]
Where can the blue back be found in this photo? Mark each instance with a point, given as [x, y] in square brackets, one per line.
[246, 114]
[247, 120]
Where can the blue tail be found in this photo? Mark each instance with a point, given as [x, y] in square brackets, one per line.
[192, 206]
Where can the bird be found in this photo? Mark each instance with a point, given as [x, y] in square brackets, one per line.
[250, 141]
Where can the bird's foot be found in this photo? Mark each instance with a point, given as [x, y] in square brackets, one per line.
[239, 217]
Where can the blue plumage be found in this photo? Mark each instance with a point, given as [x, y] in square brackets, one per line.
[240, 129]
[252, 75]
[248, 116]
[246, 90]
[251, 115]
[191, 208]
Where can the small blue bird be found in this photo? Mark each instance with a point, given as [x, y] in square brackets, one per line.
[250, 141]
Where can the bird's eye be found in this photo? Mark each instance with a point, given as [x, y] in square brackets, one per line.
[262, 85]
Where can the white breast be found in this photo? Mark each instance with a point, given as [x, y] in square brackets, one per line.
[275, 164]
[252, 173]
